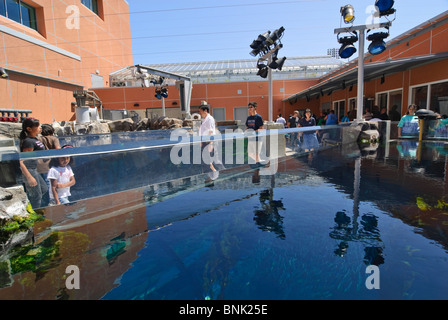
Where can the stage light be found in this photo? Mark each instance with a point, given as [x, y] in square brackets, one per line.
[275, 36]
[259, 44]
[158, 94]
[260, 40]
[156, 81]
[164, 92]
[3, 73]
[378, 45]
[277, 63]
[348, 13]
[255, 52]
[263, 70]
[385, 7]
[347, 49]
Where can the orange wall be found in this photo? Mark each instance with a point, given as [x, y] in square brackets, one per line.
[102, 42]
[218, 95]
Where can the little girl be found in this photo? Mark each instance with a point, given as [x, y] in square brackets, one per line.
[61, 178]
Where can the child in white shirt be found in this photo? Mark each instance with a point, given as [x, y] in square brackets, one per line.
[61, 178]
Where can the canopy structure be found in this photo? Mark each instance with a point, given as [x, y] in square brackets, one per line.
[375, 70]
[244, 70]
[146, 76]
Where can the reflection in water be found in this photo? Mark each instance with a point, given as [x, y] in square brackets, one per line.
[116, 248]
[268, 219]
[407, 148]
[367, 233]
[164, 241]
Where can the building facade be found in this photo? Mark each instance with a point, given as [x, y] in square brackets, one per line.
[48, 49]
[412, 70]
[227, 86]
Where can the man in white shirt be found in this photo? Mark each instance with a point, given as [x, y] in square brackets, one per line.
[208, 129]
[281, 120]
[208, 122]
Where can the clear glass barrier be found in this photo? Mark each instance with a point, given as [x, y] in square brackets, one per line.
[109, 163]
[437, 129]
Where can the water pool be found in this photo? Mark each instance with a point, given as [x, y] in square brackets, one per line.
[308, 232]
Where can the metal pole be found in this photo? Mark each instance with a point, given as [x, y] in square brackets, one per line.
[163, 106]
[360, 103]
[361, 29]
[270, 88]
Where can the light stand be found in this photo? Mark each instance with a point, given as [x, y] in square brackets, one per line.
[262, 47]
[361, 30]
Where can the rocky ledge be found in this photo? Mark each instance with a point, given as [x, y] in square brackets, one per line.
[67, 128]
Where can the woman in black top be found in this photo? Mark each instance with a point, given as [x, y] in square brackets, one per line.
[35, 186]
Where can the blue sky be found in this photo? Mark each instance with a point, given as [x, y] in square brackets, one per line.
[208, 30]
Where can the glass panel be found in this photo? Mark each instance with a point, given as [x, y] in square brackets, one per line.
[2, 8]
[395, 101]
[439, 98]
[95, 6]
[87, 3]
[382, 100]
[352, 104]
[341, 110]
[28, 16]
[437, 129]
[91, 4]
[110, 163]
[419, 96]
[13, 10]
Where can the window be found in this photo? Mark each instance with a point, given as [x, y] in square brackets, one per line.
[2, 8]
[339, 109]
[91, 4]
[352, 104]
[390, 99]
[432, 96]
[420, 96]
[382, 100]
[28, 16]
[439, 98]
[20, 12]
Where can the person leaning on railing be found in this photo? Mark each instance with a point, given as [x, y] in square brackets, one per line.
[408, 125]
[35, 185]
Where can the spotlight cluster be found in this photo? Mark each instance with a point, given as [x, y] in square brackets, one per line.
[267, 46]
[161, 92]
[377, 45]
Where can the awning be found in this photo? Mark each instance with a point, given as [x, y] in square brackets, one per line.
[141, 75]
[372, 71]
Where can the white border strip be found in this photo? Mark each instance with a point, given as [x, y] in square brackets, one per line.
[38, 42]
